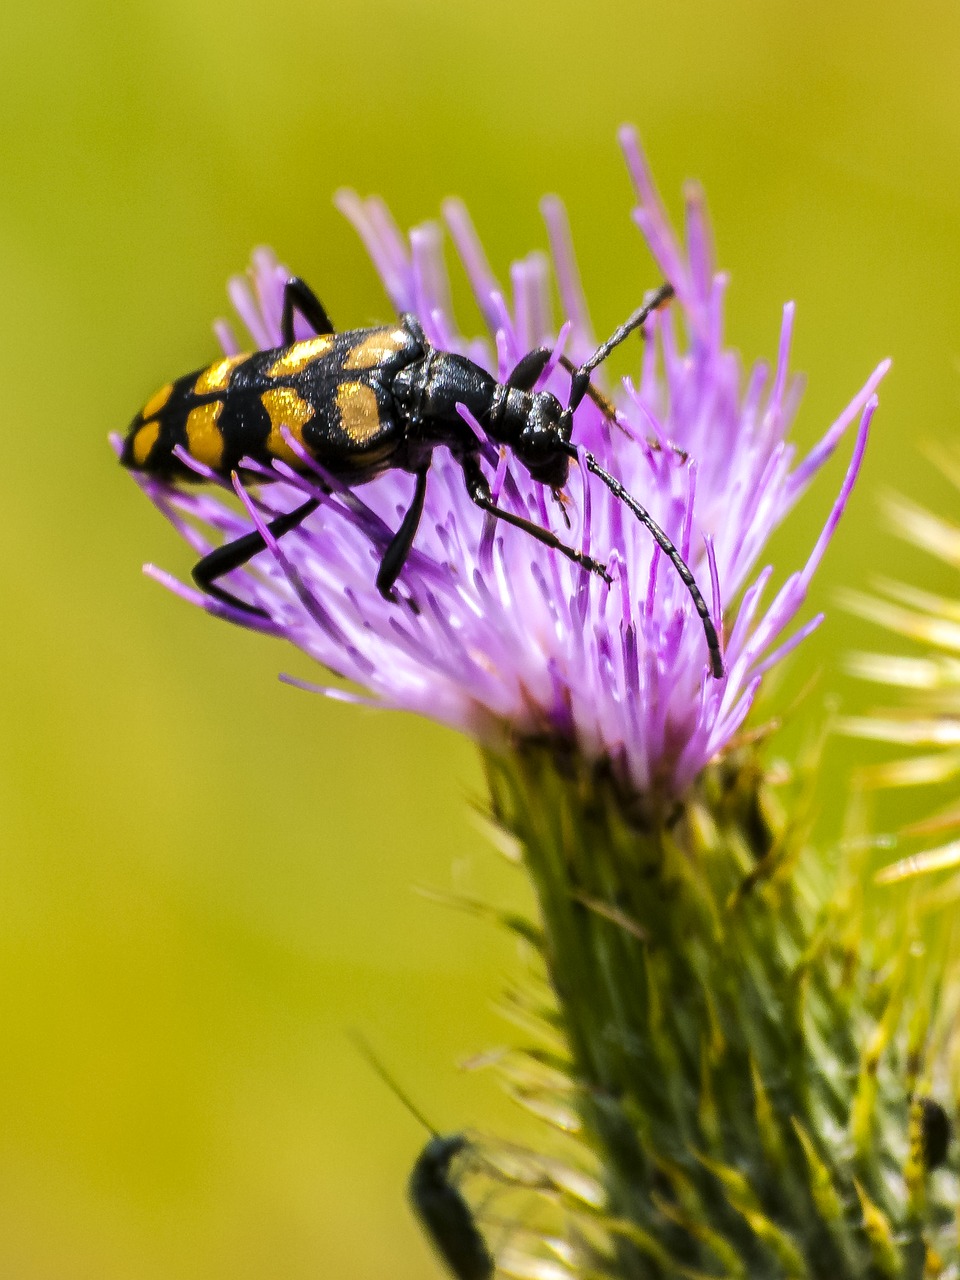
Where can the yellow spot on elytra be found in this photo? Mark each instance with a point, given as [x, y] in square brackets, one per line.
[217, 377]
[157, 401]
[301, 354]
[286, 409]
[144, 441]
[359, 415]
[376, 347]
[204, 441]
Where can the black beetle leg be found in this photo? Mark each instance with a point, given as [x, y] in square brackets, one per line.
[233, 555]
[298, 296]
[479, 491]
[525, 373]
[396, 553]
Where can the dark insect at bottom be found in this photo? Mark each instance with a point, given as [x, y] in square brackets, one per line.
[437, 1201]
[444, 1213]
[366, 401]
[935, 1133]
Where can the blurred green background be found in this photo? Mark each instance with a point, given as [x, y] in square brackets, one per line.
[205, 876]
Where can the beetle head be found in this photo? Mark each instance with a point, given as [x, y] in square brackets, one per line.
[542, 442]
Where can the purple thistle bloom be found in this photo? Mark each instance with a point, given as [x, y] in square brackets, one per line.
[493, 630]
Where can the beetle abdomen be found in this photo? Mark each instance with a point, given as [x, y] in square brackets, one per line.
[329, 394]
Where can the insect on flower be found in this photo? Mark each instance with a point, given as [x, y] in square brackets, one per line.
[359, 403]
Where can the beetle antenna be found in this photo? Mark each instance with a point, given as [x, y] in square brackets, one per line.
[669, 550]
[581, 379]
[389, 1081]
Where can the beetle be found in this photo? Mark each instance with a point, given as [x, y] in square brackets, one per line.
[365, 401]
[444, 1213]
[437, 1201]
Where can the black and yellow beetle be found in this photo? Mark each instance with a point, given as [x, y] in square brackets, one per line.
[366, 401]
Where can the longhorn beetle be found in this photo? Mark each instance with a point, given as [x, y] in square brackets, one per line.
[363, 402]
[443, 1212]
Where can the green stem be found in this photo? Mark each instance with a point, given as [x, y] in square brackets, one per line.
[714, 1022]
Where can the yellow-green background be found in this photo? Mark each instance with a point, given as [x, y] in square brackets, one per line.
[205, 876]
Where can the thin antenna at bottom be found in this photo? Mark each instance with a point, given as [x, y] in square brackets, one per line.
[389, 1081]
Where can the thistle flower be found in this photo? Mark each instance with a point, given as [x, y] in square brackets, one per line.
[494, 630]
[736, 1074]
